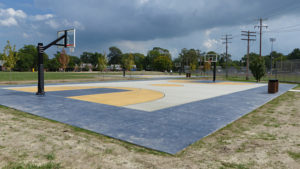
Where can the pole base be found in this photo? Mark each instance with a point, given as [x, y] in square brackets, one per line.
[40, 93]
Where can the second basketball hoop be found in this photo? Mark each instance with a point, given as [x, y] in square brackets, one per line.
[212, 58]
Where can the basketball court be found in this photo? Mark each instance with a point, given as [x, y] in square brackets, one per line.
[166, 115]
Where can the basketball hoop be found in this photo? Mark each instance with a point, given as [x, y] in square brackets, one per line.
[212, 58]
[69, 41]
[65, 39]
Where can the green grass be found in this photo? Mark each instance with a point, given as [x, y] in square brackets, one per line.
[127, 145]
[26, 76]
[285, 78]
[49, 165]
[233, 165]
[50, 156]
[294, 155]
[266, 136]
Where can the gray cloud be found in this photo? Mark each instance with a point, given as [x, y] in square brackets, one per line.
[146, 20]
[104, 22]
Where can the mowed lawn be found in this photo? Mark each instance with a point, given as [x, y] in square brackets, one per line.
[265, 138]
[27, 76]
[33, 76]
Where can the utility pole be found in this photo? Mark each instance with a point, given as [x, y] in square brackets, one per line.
[226, 39]
[260, 26]
[272, 40]
[248, 34]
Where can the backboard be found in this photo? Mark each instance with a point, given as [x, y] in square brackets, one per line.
[177, 65]
[210, 58]
[69, 42]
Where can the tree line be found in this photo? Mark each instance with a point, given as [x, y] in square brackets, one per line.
[156, 59]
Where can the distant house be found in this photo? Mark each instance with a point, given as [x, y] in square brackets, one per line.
[115, 67]
[118, 67]
[86, 67]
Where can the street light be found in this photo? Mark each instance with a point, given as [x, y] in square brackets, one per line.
[272, 40]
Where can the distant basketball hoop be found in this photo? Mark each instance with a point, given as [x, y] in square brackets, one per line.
[177, 65]
[212, 58]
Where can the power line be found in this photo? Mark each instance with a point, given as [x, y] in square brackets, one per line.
[284, 8]
[260, 26]
[283, 31]
[226, 42]
[287, 27]
[248, 34]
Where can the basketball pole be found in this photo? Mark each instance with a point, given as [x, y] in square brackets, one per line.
[41, 48]
[40, 69]
[215, 67]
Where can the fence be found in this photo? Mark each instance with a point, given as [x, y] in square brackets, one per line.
[288, 71]
[284, 71]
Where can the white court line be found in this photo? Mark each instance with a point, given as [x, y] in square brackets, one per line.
[294, 90]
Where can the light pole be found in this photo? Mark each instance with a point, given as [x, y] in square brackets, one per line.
[272, 40]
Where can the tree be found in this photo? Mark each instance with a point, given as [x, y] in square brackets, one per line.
[53, 64]
[139, 60]
[102, 62]
[251, 57]
[294, 55]
[85, 57]
[257, 67]
[64, 59]
[28, 58]
[275, 58]
[10, 56]
[163, 63]
[223, 61]
[152, 55]
[94, 59]
[127, 61]
[74, 61]
[114, 56]
[27, 55]
[190, 57]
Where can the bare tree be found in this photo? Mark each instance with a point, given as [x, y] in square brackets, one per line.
[64, 59]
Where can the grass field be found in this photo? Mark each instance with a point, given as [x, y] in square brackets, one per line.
[266, 138]
[31, 77]
[23, 76]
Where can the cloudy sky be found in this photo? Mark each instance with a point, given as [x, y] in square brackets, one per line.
[139, 25]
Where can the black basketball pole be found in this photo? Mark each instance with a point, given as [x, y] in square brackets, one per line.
[215, 67]
[41, 48]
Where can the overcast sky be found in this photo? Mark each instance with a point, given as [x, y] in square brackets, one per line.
[139, 25]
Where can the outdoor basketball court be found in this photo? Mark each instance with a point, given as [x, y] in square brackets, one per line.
[165, 115]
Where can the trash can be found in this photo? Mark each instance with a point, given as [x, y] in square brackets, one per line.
[273, 86]
[188, 75]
